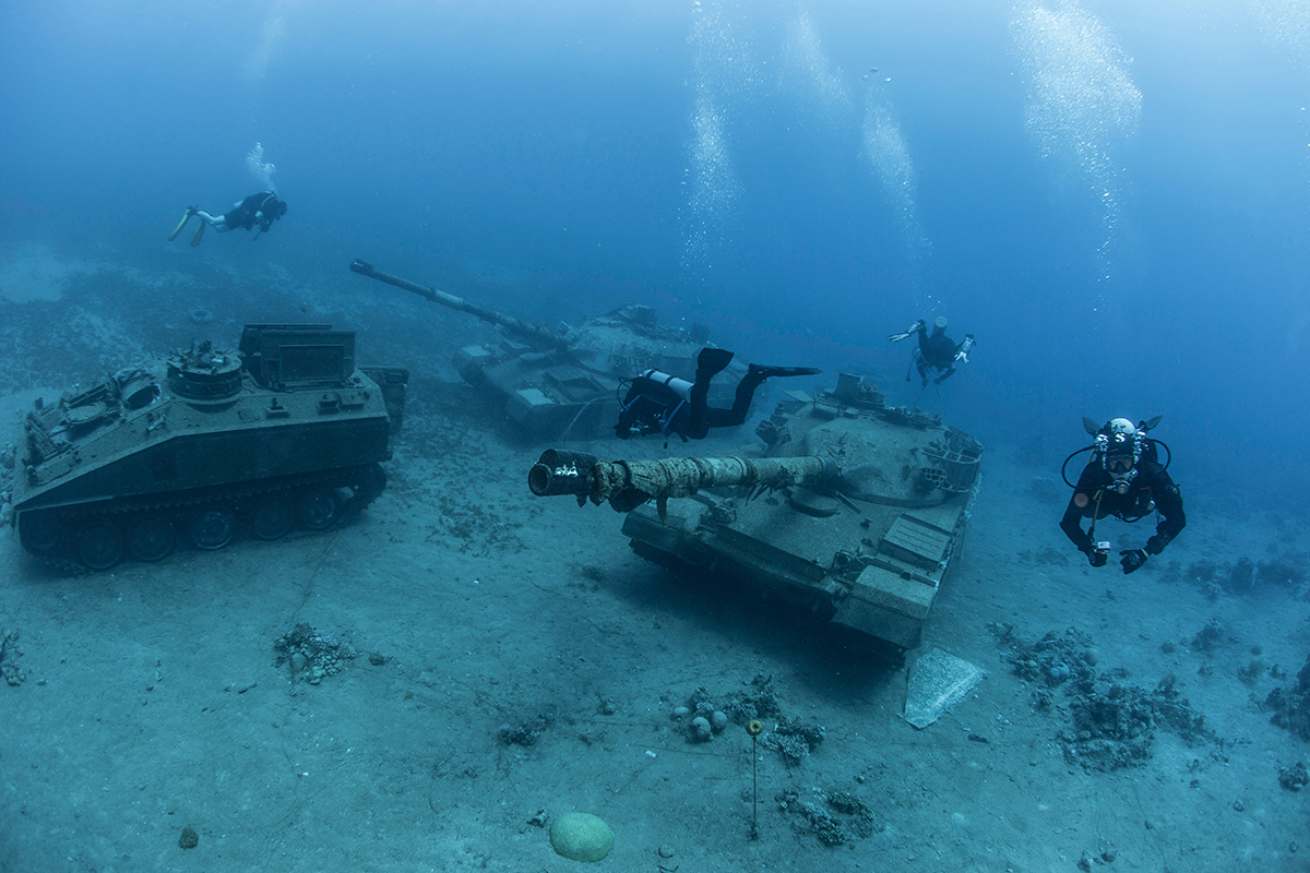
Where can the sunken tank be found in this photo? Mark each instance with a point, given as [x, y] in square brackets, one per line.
[855, 510]
[565, 384]
[206, 444]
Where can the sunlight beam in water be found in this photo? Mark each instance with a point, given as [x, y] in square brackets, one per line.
[1081, 109]
[815, 87]
[884, 147]
[255, 65]
[721, 77]
[810, 80]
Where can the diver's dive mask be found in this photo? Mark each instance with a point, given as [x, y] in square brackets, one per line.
[1124, 471]
[1120, 453]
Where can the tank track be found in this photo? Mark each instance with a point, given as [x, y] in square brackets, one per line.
[97, 536]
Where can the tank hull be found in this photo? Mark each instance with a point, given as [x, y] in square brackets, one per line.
[879, 579]
[869, 554]
[566, 383]
[544, 395]
[286, 433]
[551, 395]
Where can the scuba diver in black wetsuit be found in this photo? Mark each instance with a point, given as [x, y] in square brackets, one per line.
[260, 209]
[659, 403]
[1124, 478]
[935, 352]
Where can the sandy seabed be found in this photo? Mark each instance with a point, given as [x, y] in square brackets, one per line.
[516, 661]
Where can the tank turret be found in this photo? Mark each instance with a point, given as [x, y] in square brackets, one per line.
[204, 444]
[854, 509]
[565, 383]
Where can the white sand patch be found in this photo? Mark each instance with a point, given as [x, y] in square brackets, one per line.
[165, 279]
[34, 271]
[115, 345]
[14, 406]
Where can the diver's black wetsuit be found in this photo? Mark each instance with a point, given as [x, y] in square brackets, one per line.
[244, 215]
[1152, 490]
[936, 352]
[651, 406]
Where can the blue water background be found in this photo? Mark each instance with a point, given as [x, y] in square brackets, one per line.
[1112, 196]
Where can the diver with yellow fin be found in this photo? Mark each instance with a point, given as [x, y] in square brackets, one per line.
[261, 209]
[659, 403]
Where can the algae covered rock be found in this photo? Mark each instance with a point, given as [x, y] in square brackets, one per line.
[580, 836]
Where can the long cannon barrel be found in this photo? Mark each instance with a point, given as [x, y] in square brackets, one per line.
[536, 333]
[629, 484]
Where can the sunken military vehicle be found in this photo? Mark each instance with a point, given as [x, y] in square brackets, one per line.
[854, 510]
[566, 384]
[282, 432]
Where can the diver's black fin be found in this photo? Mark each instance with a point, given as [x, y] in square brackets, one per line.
[711, 362]
[1150, 423]
[764, 372]
[1090, 426]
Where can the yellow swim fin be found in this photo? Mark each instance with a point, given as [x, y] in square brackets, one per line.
[200, 231]
[186, 216]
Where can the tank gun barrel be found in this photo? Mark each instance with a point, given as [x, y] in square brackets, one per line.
[532, 332]
[629, 484]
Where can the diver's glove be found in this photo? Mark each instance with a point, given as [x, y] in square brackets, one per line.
[1097, 557]
[1132, 560]
[1154, 546]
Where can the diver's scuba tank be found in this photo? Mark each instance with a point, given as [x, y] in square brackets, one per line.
[681, 387]
[651, 404]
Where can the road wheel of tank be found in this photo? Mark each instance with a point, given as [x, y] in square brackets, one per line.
[272, 518]
[39, 532]
[150, 538]
[99, 545]
[213, 529]
[319, 508]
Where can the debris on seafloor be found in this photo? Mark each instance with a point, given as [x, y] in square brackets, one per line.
[936, 682]
[311, 655]
[9, 653]
[703, 717]
[834, 817]
[1112, 720]
[1291, 705]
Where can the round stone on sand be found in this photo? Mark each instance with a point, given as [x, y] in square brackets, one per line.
[580, 836]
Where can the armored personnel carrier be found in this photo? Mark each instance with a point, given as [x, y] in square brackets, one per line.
[565, 384]
[282, 432]
[855, 510]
